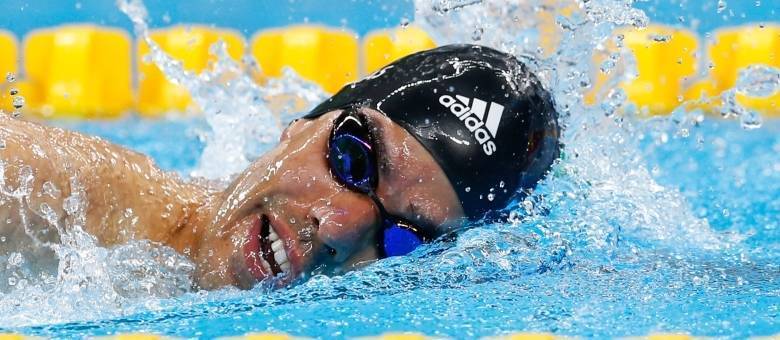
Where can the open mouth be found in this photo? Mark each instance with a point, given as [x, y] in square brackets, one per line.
[265, 252]
[273, 255]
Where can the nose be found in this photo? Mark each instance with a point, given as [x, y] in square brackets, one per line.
[348, 225]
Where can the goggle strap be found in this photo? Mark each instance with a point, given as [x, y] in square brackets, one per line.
[382, 212]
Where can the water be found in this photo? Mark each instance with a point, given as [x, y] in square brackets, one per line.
[666, 224]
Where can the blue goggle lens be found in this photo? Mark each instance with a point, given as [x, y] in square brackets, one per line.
[399, 241]
[351, 160]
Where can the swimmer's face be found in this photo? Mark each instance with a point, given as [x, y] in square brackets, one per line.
[290, 194]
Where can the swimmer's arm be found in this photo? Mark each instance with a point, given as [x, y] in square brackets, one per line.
[54, 178]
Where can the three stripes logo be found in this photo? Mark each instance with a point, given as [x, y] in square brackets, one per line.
[472, 113]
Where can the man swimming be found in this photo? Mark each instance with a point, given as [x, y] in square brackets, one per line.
[393, 161]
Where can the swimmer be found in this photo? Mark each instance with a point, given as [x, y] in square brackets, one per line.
[409, 154]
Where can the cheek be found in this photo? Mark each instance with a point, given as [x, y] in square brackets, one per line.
[305, 174]
[346, 219]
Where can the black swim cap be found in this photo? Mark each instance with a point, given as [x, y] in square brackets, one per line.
[482, 115]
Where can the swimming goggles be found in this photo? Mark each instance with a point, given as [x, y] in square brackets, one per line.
[352, 159]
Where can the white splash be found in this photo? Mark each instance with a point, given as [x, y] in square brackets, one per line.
[237, 109]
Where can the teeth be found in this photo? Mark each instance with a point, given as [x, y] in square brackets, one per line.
[277, 245]
[280, 257]
[266, 266]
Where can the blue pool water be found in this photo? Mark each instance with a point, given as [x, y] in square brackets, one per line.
[503, 278]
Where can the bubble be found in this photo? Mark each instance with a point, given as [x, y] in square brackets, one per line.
[10, 77]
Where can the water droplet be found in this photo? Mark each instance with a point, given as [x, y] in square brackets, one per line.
[750, 120]
[468, 189]
[661, 37]
[491, 197]
[15, 259]
[477, 34]
[18, 102]
[607, 66]
[10, 77]
[721, 5]
[13, 91]
[51, 190]
[528, 206]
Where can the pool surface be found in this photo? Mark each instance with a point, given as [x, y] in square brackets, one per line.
[504, 278]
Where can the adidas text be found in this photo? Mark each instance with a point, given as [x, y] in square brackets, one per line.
[472, 113]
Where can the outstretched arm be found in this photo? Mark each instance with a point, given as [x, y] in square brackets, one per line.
[52, 179]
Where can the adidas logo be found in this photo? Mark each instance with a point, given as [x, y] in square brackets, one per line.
[472, 113]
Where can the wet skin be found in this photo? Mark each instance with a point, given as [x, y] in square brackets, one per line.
[322, 226]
